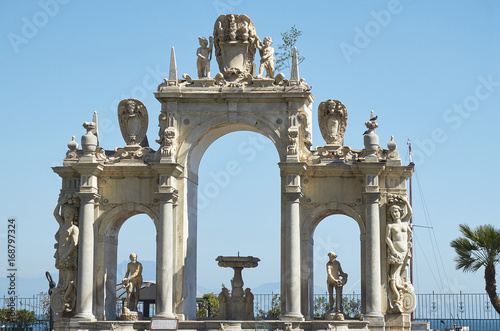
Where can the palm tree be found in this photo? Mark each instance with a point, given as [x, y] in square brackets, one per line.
[480, 247]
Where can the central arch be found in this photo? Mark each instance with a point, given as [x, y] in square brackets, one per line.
[197, 139]
[232, 217]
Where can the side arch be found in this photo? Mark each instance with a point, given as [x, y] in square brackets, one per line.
[311, 221]
[108, 226]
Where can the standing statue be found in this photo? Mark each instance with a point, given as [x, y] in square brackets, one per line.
[63, 298]
[266, 57]
[337, 278]
[204, 54]
[398, 236]
[132, 282]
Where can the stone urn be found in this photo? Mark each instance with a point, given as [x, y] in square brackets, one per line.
[89, 140]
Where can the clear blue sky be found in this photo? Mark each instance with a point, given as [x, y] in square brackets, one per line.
[430, 70]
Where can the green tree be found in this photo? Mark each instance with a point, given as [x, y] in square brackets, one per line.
[285, 49]
[210, 306]
[6, 316]
[480, 247]
[352, 307]
[25, 318]
[320, 307]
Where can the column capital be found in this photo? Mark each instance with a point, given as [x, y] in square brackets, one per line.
[168, 169]
[169, 195]
[88, 196]
[292, 168]
[371, 168]
[293, 194]
[372, 197]
[92, 169]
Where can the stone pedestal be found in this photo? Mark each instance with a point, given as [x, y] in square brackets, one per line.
[239, 304]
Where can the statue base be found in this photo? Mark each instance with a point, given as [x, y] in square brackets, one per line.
[128, 315]
[334, 316]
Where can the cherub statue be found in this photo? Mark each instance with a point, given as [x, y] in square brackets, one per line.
[204, 54]
[266, 56]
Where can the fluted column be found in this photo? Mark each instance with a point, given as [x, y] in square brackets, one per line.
[373, 268]
[85, 280]
[165, 262]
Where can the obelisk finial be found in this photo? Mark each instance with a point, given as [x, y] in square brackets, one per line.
[294, 76]
[172, 75]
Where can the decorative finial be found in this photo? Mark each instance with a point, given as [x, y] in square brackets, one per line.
[391, 145]
[95, 131]
[370, 139]
[89, 141]
[294, 76]
[73, 145]
[172, 74]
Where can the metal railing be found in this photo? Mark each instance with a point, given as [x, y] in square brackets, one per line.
[441, 310]
[38, 303]
[463, 309]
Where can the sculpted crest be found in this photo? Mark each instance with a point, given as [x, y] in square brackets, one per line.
[133, 118]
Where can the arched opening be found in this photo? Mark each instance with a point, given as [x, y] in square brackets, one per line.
[239, 212]
[122, 230]
[340, 234]
[138, 235]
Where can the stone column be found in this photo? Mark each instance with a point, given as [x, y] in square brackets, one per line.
[167, 195]
[85, 280]
[165, 263]
[373, 268]
[293, 265]
[291, 241]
